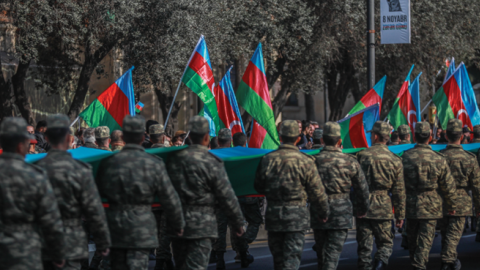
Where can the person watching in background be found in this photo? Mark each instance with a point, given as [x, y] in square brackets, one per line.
[239, 139]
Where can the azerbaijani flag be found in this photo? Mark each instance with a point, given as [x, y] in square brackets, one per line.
[198, 76]
[227, 105]
[253, 95]
[112, 105]
[353, 129]
[406, 109]
[372, 97]
[139, 107]
[456, 99]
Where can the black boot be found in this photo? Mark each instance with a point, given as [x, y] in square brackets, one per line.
[474, 224]
[477, 238]
[159, 265]
[447, 266]
[220, 261]
[169, 265]
[380, 265]
[246, 259]
[213, 257]
[404, 242]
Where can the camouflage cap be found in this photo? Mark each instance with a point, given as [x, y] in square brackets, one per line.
[289, 128]
[225, 134]
[199, 125]
[318, 134]
[403, 130]
[102, 132]
[134, 124]
[89, 132]
[15, 126]
[58, 121]
[422, 128]
[454, 125]
[476, 129]
[156, 129]
[382, 128]
[331, 129]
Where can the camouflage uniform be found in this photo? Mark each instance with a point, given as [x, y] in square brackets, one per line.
[404, 130]
[338, 172]
[77, 196]
[27, 201]
[102, 132]
[384, 173]
[425, 172]
[89, 137]
[200, 180]
[466, 173]
[317, 135]
[117, 147]
[157, 129]
[287, 177]
[130, 180]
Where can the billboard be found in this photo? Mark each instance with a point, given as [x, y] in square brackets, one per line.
[395, 21]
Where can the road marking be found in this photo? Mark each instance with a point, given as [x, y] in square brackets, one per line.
[470, 235]
[312, 264]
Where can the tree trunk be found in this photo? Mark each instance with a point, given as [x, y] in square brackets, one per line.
[5, 95]
[21, 99]
[91, 61]
[341, 79]
[310, 107]
[165, 103]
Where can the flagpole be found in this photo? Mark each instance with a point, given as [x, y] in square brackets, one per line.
[74, 121]
[426, 106]
[180, 82]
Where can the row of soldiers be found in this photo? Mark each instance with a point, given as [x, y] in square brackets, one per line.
[43, 205]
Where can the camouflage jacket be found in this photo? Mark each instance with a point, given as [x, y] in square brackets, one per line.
[317, 146]
[117, 147]
[104, 148]
[476, 140]
[287, 177]
[201, 180]
[425, 172]
[77, 197]
[466, 173]
[130, 180]
[27, 202]
[90, 145]
[339, 172]
[157, 145]
[384, 173]
[405, 142]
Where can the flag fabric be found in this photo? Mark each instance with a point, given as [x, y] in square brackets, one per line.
[406, 108]
[228, 111]
[111, 106]
[253, 95]
[354, 128]
[198, 76]
[260, 138]
[139, 107]
[205, 113]
[456, 99]
[372, 97]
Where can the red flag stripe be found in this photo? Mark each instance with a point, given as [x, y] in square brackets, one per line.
[116, 103]
[257, 81]
[357, 133]
[201, 67]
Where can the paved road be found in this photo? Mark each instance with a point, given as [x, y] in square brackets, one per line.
[469, 254]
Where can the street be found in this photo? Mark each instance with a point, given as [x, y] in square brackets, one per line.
[468, 252]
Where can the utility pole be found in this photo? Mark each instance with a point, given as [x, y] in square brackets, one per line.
[370, 43]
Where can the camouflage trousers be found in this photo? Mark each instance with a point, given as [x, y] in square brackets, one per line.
[329, 247]
[286, 249]
[163, 251]
[69, 265]
[220, 245]
[421, 233]
[191, 253]
[251, 211]
[367, 229]
[129, 259]
[452, 230]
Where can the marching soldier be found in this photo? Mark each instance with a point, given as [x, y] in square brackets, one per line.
[317, 136]
[130, 180]
[157, 135]
[384, 173]
[287, 177]
[338, 172]
[102, 138]
[476, 134]
[425, 172]
[27, 202]
[404, 134]
[201, 180]
[89, 137]
[466, 173]
[77, 196]
[116, 140]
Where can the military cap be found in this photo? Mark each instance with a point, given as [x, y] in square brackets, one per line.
[331, 129]
[422, 128]
[134, 124]
[466, 129]
[58, 121]
[89, 132]
[102, 132]
[156, 129]
[198, 125]
[476, 129]
[289, 128]
[225, 134]
[454, 125]
[318, 134]
[382, 128]
[15, 126]
[403, 130]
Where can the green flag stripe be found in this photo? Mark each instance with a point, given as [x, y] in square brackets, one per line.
[269, 142]
[344, 131]
[444, 110]
[97, 115]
